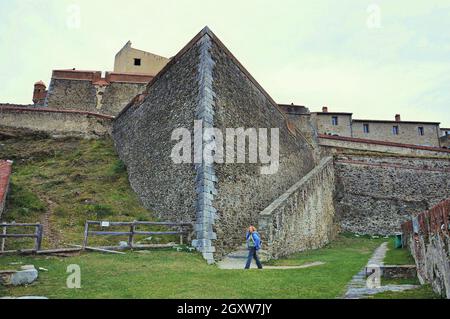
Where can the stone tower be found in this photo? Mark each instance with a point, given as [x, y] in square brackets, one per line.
[39, 94]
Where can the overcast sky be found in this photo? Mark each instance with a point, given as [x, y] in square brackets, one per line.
[374, 58]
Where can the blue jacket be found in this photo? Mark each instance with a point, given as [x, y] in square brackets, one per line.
[256, 239]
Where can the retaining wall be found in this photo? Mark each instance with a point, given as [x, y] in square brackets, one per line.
[303, 217]
[57, 122]
[428, 238]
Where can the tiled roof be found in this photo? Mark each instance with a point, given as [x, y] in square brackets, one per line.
[5, 173]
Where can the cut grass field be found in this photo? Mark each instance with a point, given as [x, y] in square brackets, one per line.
[170, 274]
[397, 256]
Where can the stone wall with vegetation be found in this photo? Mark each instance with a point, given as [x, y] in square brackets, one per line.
[376, 194]
[303, 217]
[56, 123]
[428, 238]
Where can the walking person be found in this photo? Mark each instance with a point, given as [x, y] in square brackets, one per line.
[253, 245]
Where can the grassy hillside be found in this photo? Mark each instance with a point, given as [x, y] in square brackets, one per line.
[63, 182]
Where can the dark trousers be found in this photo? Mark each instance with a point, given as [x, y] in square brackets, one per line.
[252, 255]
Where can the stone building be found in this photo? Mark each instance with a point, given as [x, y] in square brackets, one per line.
[89, 91]
[407, 132]
[397, 131]
[332, 123]
[131, 60]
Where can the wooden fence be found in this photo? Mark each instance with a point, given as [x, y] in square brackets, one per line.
[37, 235]
[182, 229]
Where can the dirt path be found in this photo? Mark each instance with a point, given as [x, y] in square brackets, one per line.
[238, 258]
[51, 233]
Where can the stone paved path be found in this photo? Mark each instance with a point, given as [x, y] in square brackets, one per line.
[357, 287]
[237, 260]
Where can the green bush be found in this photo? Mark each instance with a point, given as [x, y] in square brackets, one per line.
[24, 201]
[100, 210]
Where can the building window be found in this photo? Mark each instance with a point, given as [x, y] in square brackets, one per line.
[395, 130]
[420, 130]
[334, 120]
[137, 62]
[366, 128]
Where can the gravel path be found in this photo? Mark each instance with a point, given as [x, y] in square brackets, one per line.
[237, 260]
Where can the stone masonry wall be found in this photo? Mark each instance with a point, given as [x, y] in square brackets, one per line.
[117, 95]
[303, 217]
[242, 192]
[70, 94]
[57, 123]
[338, 144]
[376, 194]
[428, 238]
[142, 135]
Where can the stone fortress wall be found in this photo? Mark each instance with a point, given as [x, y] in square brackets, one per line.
[376, 194]
[57, 122]
[88, 91]
[222, 199]
[303, 217]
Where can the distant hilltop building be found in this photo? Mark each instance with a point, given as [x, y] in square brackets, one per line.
[397, 131]
[130, 60]
[90, 91]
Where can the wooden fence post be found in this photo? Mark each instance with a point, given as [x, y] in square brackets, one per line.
[39, 231]
[130, 237]
[3, 239]
[86, 232]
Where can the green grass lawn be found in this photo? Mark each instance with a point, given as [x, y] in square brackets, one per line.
[170, 274]
[423, 292]
[397, 256]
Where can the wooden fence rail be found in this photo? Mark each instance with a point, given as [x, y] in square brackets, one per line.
[37, 235]
[183, 230]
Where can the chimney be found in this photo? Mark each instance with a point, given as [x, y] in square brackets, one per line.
[397, 117]
[325, 109]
